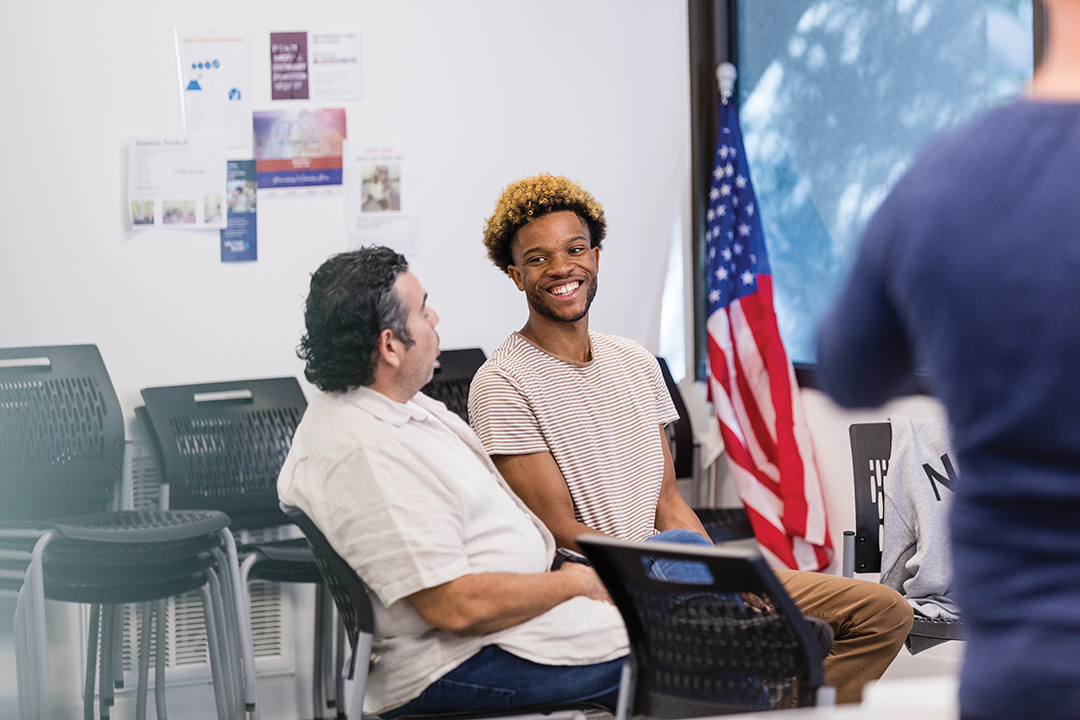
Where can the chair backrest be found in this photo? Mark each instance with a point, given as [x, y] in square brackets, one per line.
[454, 372]
[682, 450]
[696, 649]
[221, 445]
[871, 446]
[61, 433]
[346, 587]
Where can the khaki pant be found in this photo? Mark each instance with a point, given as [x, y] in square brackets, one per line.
[869, 621]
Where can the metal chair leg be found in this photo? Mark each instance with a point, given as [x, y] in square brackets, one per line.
[339, 664]
[145, 610]
[159, 657]
[326, 629]
[38, 640]
[243, 612]
[626, 691]
[231, 638]
[91, 662]
[226, 674]
[318, 655]
[249, 672]
[359, 663]
[25, 661]
[26, 711]
[118, 654]
[108, 617]
[215, 657]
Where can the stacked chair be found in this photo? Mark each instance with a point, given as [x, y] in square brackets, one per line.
[220, 446]
[61, 463]
[871, 448]
[454, 370]
[696, 649]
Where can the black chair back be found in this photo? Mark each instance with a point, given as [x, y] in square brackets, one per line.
[221, 445]
[697, 649]
[454, 372]
[61, 433]
[346, 587]
[683, 452]
[871, 446]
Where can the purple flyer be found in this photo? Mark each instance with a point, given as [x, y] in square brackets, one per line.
[288, 66]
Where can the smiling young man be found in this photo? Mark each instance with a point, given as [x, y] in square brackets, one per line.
[574, 421]
[467, 616]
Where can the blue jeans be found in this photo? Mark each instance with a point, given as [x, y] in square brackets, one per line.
[685, 571]
[494, 679]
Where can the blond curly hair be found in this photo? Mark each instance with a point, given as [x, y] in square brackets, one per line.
[525, 200]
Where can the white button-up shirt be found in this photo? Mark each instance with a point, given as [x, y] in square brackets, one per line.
[406, 494]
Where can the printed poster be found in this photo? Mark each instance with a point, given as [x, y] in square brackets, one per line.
[238, 239]
[177, 182]
[299, 149]
[216, 86]
[321, 66]
[380, 202]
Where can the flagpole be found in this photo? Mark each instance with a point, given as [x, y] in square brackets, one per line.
[725, 80]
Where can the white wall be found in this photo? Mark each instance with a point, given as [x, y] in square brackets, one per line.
[481, 92]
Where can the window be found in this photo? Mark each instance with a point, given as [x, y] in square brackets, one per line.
[836, 98]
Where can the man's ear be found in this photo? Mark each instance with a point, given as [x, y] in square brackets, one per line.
[389, 353]
[515, 275]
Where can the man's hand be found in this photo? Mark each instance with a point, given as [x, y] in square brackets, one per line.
[591, 587]
[755, 602]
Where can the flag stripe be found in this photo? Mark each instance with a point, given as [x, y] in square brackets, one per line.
[752, 383]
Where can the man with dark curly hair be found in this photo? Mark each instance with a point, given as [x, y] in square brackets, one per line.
[574, 421]
[467, 615]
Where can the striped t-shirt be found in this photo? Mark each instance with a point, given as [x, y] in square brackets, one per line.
[600, 420]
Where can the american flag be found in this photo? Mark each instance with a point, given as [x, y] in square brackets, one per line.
[752, 383]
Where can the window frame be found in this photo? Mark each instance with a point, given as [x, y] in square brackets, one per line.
[713, 39]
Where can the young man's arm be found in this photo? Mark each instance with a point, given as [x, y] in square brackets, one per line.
[538, 481]
[489, 602]
[672, 512]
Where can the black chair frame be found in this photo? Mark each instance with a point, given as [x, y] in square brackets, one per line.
[696, 649]
[871, 448]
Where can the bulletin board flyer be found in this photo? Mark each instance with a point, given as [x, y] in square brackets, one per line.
[177, 182]
[299, 148]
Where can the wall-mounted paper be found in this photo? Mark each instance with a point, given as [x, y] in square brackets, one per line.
[216, 85]
[239, 239]
[299, 148]
[177, 183]
[324, 66]
[380, 199]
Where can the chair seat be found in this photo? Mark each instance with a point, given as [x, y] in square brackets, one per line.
[289, 560]
[275, 571]
[725, 524]
[295, 550]
[89, 552]
[143, 525]
[115, 594]
[61, 572]
[938, 628]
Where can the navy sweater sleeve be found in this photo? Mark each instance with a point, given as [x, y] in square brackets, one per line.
[863, 356]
